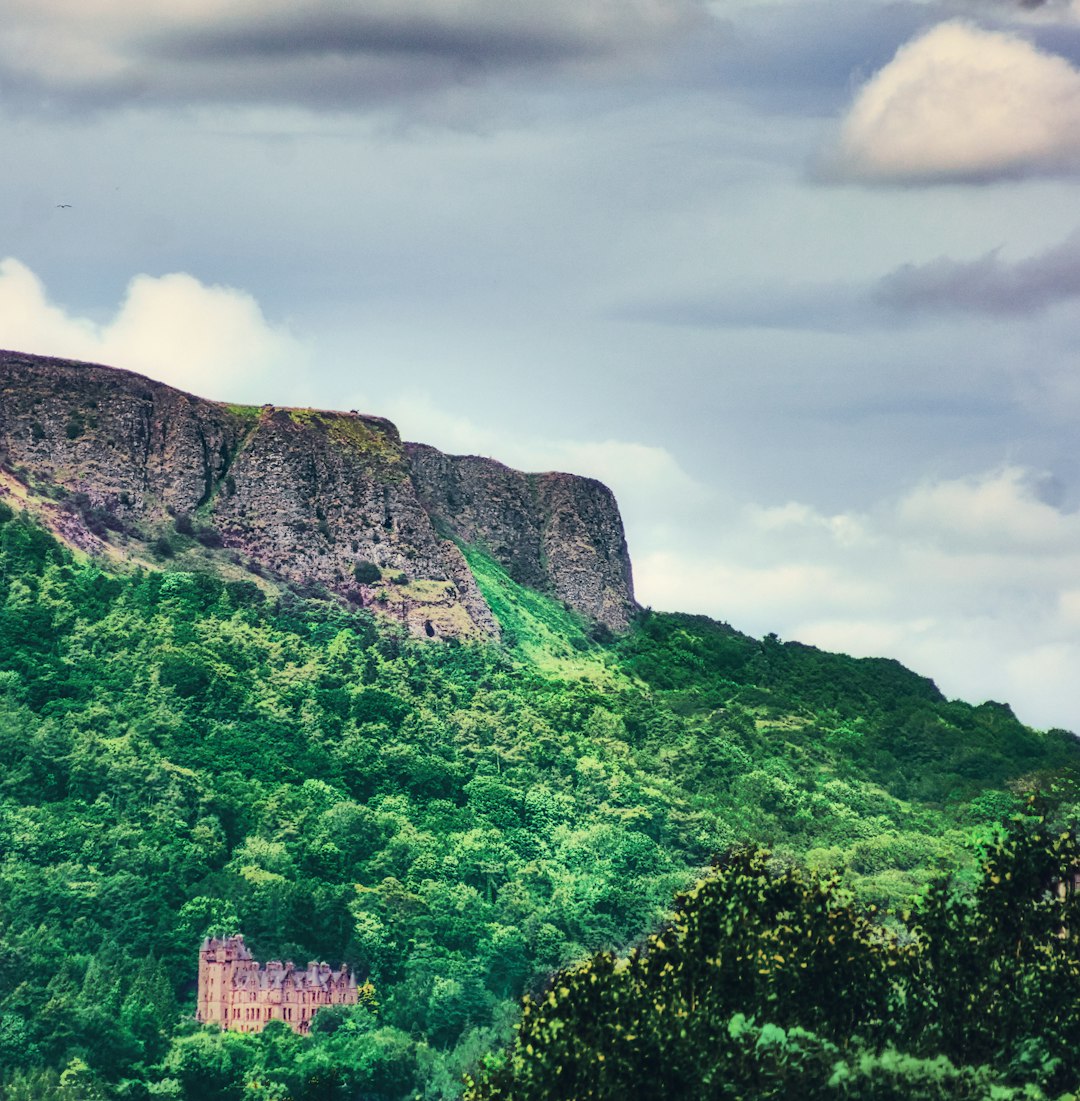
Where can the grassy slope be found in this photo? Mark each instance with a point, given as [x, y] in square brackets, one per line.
[540, 630]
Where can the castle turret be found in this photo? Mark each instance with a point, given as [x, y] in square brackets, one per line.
[219, 960]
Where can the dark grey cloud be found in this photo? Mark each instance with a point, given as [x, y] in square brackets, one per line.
[1009, 7]
[319, 54]
[794, 56]
[985, 285]
[299, 33]
[799, 57]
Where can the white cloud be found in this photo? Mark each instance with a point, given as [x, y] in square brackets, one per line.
[211, 340]
[962, 103]
[422, 420]
[1047, 672]
[29, 322]
[843, 528]
[1001, 515]
[1069, 608]
[752, 596]
[648, 469]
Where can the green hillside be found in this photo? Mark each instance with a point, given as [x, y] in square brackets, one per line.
[184, 754]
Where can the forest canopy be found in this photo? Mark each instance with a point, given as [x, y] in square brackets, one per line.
[183, 754]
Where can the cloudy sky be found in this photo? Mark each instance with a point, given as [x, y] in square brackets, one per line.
[800, 279]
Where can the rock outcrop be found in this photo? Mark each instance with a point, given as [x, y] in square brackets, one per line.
[557, 533]
[113, 461]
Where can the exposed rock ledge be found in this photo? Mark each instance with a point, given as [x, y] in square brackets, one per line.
[307, 496]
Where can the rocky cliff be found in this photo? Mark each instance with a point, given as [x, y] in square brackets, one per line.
[556, 533]
[118, 464]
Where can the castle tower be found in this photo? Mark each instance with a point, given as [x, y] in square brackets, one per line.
[220, 960]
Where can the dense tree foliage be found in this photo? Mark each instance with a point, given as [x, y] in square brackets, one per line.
[183, 754]
[769, 982]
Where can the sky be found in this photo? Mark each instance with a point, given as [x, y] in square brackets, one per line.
[799, 279]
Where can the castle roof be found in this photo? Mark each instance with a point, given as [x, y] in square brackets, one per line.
[234, 946]
[276, 975]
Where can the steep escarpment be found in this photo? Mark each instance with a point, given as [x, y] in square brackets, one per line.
[121, 465]
[129, 445]
[556, 533]
[301, 496]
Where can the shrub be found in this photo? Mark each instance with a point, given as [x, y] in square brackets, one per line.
[209, 537]
[367, 573]
[245, 594]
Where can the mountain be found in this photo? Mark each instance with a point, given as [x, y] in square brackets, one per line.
[212, 721]
[119, 465]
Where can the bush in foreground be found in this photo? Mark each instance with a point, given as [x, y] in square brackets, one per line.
[771, 983]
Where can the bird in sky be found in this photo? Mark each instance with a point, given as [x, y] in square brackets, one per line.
[63, 206]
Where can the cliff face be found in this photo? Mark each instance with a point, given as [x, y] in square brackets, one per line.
[556, 533]
[114, 461]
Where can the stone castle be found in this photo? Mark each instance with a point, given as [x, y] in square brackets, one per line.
[237, 993]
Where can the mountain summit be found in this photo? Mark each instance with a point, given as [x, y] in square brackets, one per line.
[118, 464]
